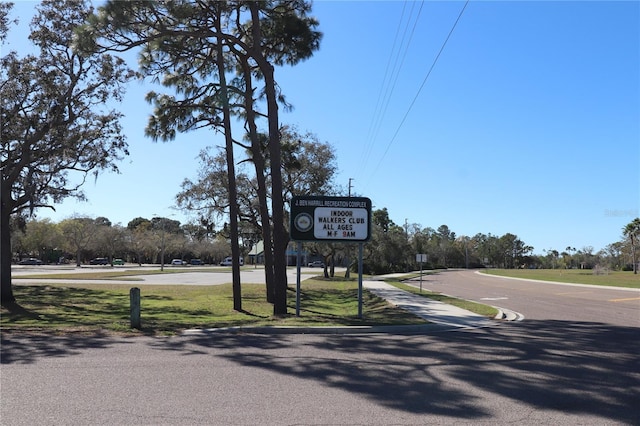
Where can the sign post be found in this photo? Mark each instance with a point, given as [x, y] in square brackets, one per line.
[332, 219]
[360, 246]
[298, 262]
[421, 258]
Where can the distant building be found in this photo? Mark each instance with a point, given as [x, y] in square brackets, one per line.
[256, 255]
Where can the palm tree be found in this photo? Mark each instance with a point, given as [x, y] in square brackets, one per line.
[632, 231]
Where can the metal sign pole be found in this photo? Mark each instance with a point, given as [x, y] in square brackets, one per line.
[298, 262]
[421, 257]
[360, 280]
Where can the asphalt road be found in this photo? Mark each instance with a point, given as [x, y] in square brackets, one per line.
[540, 371]
[187, 275]
[211, 275]
[542, 300]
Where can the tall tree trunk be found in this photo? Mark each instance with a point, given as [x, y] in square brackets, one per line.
[6, 289]
[280, 237]
[233, 192]
[260, 166]
[267, 236]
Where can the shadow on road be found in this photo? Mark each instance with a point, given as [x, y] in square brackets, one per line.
[584, 369]
[18, 348]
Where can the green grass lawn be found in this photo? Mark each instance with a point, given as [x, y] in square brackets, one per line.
[63, 307]
[106, 274]
[579, 276]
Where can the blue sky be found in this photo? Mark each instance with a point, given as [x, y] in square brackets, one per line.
[527, 123]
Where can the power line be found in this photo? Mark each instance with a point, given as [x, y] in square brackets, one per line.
[424, 81]
[386, 73]
[390, 77]
[397, 73]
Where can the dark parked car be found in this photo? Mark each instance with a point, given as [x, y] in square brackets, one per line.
[196, 262]
[99, 261]
[30, 261]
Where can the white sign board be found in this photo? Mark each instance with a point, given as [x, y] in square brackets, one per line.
[345, 219]
[340, 223]
[421, 258]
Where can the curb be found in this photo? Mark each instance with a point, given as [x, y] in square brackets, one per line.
[350, 330]
[508, 315]
[502, 315]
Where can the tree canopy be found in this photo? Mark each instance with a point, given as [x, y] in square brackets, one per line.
[212, 55]
[56, 126]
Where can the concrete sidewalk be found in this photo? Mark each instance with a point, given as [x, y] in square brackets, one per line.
[431, 310]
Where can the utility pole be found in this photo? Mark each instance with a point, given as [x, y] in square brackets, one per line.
[350, 179]
[162, 247]
[406, 234]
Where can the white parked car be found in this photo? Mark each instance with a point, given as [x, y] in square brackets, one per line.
[178, 262]
[228, 261]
